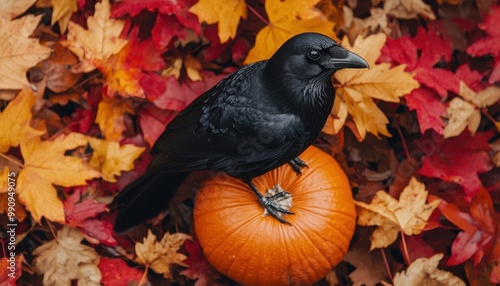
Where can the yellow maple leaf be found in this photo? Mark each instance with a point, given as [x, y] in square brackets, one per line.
[159, 255]
[424, 271]
[66, 258]
[226, 13]
[46, 165]
[356, 89]
[287, 18]
[63, 9]
[100, 41]
[112, 159]
[109, 116]
[14, 8]
[463, 112]
[18, 52]
[15, 121]
[409, 214]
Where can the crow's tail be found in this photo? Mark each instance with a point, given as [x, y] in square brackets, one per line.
[146, 197]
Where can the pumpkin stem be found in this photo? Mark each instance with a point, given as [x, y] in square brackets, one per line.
[275, 202]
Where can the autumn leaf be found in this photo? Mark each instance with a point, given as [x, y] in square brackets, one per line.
[116, 272]
[63, 9]
[226, 13]
[100, 41]
[18, 52]
[459, 160]
[6, 278]
[409, 214]
[45, 164]
[287, 19]
[65, 258]
[430, 109]
[464, 112]
[160, 255]
[15, 8]
[358, 88]
[199, 267]
[408, 9]
[15, 121]
[423, 271]
[110, 118]
[111, 158]
[369, 270]
[489, 45]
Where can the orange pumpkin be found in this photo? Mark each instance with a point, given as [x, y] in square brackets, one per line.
[255, 250]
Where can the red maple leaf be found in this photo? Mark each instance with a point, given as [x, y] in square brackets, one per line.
[429, 109]
[172, 20]
[472, 78]
[115, 272]
[199, 268]
[478, 228]
[81, 213]
[459, 160]
[490, 45]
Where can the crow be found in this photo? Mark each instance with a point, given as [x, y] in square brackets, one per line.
[256, 119]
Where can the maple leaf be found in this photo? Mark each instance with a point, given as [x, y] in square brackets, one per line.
[490, 44]
[153, 121]
[45, 164]
[81, 213]
[423, 271]
[369, 270]
[100, 41]
[458, 160]
[15, 8]
[111, 158]
[116, 272]
[18, 52]
[287, 19]
[408, 9]
[226, 13]
[159, 255]
[357, 89]
[464, 112]
[63, 9]
[65, 258]
[199, 267]
[110, 117]
[15, 121]
[409, 214]
[19, 211]
[172, 20]
[430, 109]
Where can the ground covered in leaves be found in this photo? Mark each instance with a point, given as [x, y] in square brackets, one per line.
[87, 86]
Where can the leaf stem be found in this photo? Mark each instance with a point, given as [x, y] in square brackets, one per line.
[8, 158]
[144, 275]
[405, 248]
[258, 15]
[405, 146]
[386, 263]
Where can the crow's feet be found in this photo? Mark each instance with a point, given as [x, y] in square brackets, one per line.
[275, 202]
[298, 165]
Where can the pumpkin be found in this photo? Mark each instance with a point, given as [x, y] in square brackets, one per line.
[253, 249]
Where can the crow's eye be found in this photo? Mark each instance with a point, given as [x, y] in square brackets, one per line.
[314, 55]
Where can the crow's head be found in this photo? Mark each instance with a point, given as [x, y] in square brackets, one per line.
[310, 55]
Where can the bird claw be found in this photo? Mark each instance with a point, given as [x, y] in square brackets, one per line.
[275, 202]
[297, 165]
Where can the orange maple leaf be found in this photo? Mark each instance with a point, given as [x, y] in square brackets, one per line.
[109, 116]
[287, 19]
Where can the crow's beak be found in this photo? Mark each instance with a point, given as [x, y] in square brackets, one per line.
[346, 59]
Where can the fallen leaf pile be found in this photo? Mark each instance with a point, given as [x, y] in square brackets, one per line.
[87, 86]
